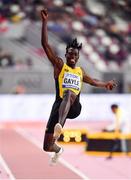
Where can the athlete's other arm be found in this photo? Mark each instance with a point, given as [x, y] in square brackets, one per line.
[109, 85]
[56, 61]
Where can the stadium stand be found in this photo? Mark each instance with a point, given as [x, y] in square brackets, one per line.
[104, 31]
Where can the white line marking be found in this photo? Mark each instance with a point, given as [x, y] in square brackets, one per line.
[3, 163]
[38, 144]
[72, 168]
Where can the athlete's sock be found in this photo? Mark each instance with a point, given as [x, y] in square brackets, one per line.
[54, 159]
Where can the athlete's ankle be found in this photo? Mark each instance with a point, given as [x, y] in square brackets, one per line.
[58, 150]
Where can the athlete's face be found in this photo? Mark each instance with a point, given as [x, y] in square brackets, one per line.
[72, 56]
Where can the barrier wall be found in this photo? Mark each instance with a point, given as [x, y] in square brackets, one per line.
[38, 107]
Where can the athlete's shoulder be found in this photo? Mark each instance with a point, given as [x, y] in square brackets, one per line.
[79, 68]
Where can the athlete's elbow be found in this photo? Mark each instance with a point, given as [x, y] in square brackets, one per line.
[47, 147]
[44, 44]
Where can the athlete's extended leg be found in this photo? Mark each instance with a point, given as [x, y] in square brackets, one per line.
[68, 100]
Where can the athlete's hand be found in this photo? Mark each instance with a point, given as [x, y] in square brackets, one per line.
[110, 85]
[44, 14]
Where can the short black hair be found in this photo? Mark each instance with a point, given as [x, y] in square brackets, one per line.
[74, 44]
[114, 106]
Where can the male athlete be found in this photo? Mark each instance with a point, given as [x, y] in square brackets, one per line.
[121, 124]
[68, 81]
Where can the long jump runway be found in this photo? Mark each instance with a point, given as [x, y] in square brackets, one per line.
[27, 161]
[22, 157]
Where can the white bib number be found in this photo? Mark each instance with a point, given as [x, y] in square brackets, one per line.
[71, 81]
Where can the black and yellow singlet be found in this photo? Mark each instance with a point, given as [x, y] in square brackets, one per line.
[69, 79]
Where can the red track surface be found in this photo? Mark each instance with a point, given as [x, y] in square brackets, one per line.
[27, 161]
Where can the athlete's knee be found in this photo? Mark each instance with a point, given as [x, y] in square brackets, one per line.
[48, 142]
[46, 147]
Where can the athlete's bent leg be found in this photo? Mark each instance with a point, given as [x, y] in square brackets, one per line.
[68, 100]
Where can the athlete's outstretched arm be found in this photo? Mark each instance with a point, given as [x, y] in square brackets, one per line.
[56, 61]
[109, 85]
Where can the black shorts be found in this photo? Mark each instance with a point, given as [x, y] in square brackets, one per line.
[54, 116]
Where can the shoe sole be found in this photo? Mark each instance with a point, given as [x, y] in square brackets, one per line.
[57, 131]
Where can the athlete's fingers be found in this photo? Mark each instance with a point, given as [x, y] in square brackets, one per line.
[44, 11]
[113, 82]
[44, 14]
